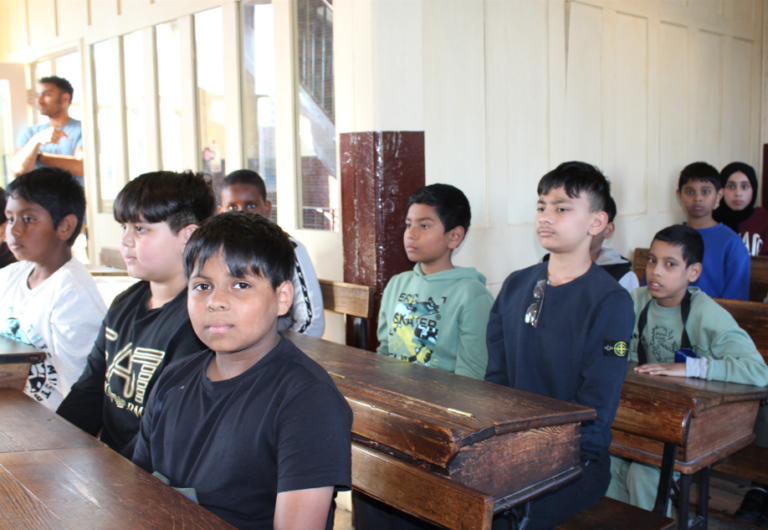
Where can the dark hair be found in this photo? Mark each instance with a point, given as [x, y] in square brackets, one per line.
[699, 171]
[3, 218]
[54, 189]
[250, 243]
[689, 239]
[450, 203]
[62, 84]
[577, 178]
[610, 209]
[246, 176]
[180, 199]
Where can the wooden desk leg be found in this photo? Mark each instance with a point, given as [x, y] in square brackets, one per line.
[665, 481]
[684, 502]
[703, 511]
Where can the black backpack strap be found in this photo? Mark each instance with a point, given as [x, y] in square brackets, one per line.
[642, 321]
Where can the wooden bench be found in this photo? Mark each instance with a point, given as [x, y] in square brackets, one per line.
[610, 514]
[751, 462]
[352, 300]
[758, 280]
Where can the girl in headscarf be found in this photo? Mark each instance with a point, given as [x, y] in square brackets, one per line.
[737, 209]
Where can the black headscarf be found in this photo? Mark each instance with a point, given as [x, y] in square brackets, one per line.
[723, 213]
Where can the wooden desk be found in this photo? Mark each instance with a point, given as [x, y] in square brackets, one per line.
[15, 360]
[103, 270]
[54, 476]
[685, 424]
[446, 448]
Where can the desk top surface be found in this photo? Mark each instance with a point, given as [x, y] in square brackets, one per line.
[698, 394]
[472, 408]
[53, 475]
[13, 351]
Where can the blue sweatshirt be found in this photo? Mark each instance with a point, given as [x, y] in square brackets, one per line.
[578, 350]
[725, 270]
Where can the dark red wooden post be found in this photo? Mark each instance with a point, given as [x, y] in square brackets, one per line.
[379, 171]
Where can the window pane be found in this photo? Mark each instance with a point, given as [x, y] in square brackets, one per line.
[106, 119]
[169, 84]
[209, 50]
[70, 68]
[317, 129]
[133, 54]
[259, 94]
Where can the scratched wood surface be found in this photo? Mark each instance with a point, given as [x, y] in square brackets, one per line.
[26, 425]
[707, 420]
[91, 488]
[448, 431]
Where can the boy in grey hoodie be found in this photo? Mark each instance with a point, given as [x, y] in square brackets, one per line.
[437, 314]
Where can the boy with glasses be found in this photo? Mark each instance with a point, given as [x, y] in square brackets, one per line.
[561, 329]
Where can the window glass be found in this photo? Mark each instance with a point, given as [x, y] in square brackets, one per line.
[259, 94]
[209, 51]
[70, 68]
[106, 119]
[133, 57]
[317, 129]
[169, 86]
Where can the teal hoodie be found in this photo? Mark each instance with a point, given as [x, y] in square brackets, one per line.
[713, 333]
[437, 320]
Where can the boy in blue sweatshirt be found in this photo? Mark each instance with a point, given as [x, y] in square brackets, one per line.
[726, 266]
[561, 329]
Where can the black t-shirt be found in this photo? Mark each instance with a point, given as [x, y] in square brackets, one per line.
[280, 426]
[133, 347]
[578, 350]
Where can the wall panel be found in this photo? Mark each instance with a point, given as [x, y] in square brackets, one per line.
[708, 96]
[454, 102]
[674, 65]
[518, 154]
[17, 25]
[42, 19]
[738, 108]
[629, 179]
[72, 17]
[584, 95]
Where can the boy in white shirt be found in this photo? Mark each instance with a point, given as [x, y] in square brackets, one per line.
[49, 299]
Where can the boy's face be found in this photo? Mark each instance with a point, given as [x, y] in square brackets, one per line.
[244, 198]
[232, 315]
[425, 238]
[699, 198]
[738, 191]
[564, 224]
[152, 252]
[667, 274]
[30, 233]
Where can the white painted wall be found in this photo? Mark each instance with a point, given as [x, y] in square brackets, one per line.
[506, 90]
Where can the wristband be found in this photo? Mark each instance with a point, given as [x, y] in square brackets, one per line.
[39, 154]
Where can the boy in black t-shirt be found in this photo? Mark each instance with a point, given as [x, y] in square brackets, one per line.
[561, 329]
[147, 327]
[256, 428]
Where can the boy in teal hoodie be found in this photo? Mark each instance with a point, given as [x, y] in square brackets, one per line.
[707, 343]
[437, 314]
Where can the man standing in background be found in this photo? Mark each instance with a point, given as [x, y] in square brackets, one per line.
[58, 143]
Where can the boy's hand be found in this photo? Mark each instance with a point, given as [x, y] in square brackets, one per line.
[669, 369]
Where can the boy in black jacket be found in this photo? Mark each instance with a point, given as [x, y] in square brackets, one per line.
[561, 329]
[147, 327]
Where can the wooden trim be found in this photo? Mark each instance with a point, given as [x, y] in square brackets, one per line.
[348, 298]
[421, 493]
